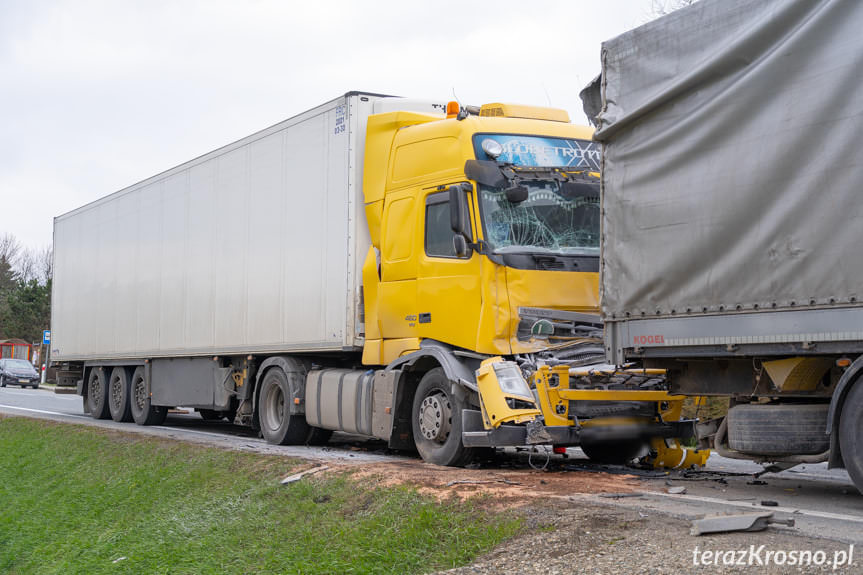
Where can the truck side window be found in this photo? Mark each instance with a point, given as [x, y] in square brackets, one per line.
[439, 234]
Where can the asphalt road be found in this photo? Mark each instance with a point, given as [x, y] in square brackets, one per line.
[823, 503]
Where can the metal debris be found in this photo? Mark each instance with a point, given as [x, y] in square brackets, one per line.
[742, 522]
[301, 474]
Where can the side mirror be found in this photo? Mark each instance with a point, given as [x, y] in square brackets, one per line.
[456, 216]
[485, 172]
[458, 211]
[516, 194]
[459, 244]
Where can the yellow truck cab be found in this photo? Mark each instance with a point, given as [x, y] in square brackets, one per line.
[485, 246]
[540, 251]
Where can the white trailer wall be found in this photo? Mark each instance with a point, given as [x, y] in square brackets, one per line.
[255, 247]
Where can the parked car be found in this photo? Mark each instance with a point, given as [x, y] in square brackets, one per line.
[18, 372]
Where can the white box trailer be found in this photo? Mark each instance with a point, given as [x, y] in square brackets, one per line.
[254, 247]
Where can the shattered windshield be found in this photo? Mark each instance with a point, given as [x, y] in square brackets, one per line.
[548, 220]
[544, 222]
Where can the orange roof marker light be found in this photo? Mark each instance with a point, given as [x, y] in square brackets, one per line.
[452, 109]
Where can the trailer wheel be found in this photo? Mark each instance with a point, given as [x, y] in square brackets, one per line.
[118, 395]
[778, 429]
[436, 422]
[851, 434]
[614, 452]
[143, 411]
[97, 394]
[278, 425]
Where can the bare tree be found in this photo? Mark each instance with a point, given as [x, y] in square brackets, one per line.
[46, 264]
[26, 265]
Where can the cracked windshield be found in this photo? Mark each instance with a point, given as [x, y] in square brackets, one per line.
[547, 221]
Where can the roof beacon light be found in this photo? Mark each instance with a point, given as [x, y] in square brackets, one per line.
[452, 109]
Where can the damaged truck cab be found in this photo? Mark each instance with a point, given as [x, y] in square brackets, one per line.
[484, 263]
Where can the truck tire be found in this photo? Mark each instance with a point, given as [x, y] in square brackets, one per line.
[278, 425]
[143, 411]
[614, 452]
[778, 429]
[97, 393]
[851, 434]
[118, 395]
[436, 422]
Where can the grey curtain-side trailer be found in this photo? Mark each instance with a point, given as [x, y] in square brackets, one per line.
[733, 217]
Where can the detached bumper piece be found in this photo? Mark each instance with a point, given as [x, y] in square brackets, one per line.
[534, 433]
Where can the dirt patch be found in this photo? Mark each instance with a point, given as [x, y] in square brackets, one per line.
[562, 537]
[507, 487]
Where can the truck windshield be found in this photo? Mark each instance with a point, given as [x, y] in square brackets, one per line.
[547, 221]
[544, 222]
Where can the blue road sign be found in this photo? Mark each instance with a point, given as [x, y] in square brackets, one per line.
[46, 337]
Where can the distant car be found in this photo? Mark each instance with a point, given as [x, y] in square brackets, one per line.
[18, 372]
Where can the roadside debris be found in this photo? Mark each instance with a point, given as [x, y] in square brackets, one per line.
[676, 490]
[469, 482]
[301, 474]
[741, 522]
[769, 503]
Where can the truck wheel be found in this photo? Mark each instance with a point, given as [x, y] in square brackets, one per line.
[778, 429]
[143, 411]
[614, 452]
[436, 422]
[278, 425]
[118, 395]
[851, 434]
[97, 393]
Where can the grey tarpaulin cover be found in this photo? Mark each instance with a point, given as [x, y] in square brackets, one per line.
[732, 137]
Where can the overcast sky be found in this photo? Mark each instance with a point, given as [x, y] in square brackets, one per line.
[97, 95]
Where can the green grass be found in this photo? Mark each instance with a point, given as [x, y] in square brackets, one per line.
[74, 500]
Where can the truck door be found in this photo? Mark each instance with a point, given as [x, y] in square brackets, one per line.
[399, 246]
[448, 286]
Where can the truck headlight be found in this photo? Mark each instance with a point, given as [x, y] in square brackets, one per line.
[511, 381]
[504, 395]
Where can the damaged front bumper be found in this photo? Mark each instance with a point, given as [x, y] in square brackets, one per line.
[535, 433]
